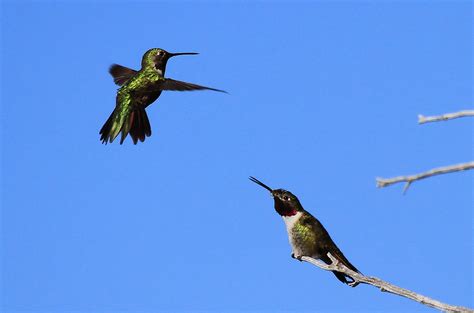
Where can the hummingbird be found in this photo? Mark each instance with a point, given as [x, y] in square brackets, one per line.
[138, 90]
[306, 234]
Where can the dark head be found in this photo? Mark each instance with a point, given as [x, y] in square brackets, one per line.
[286, 203]
[157, 58]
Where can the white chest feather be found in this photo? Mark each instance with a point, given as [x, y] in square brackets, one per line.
[291, 220]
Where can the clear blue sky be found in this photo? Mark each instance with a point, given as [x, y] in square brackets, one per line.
[324, 97]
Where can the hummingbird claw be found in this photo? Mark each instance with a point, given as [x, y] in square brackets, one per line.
[298, 257]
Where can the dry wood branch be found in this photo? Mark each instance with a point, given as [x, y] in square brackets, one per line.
[385, 286]
[384, 182]
[448, 116]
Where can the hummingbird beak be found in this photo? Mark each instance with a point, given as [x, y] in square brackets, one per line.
[261, 184]
[181, 53]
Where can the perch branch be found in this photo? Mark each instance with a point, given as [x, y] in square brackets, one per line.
[385, 286]
[448, 116]
[384, 182]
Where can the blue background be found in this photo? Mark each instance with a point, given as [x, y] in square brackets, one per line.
[324, 97]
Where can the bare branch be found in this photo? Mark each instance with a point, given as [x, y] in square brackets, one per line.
[449, 116]
[385, 286]
[384, 182]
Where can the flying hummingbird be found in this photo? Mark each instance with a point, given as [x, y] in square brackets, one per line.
[138, 90]
[307, 235]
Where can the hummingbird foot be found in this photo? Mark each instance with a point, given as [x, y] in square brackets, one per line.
[298, 257]
[353, 284]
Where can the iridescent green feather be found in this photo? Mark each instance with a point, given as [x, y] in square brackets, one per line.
[304, 235]
[124, 107]
[138, 90]
[126, 103]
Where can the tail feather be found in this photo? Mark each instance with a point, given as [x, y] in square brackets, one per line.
[342, 277]
[341, 258]
[136, 124]
[140, 127]
[146, 126]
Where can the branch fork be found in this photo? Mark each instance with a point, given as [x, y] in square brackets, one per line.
[384, 182]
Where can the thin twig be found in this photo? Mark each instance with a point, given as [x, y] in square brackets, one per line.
[385, 286]
[448, 116]
[384, 182]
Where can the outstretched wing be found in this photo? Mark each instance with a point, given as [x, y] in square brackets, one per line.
[171, 84]
[121, 74]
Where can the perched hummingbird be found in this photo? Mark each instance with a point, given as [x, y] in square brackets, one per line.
[138, 90]
[307, 235]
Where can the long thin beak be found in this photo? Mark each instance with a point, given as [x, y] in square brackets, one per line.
[261, 184]
[181, 53]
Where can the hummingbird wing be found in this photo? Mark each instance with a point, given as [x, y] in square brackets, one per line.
[326, 244]
[121, 74]
[171, 84]
[119, 119]
[330, 246]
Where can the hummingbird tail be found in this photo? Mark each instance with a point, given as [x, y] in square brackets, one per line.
[343, 278]
[140, 125]
[136, 124]
[341, 258]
